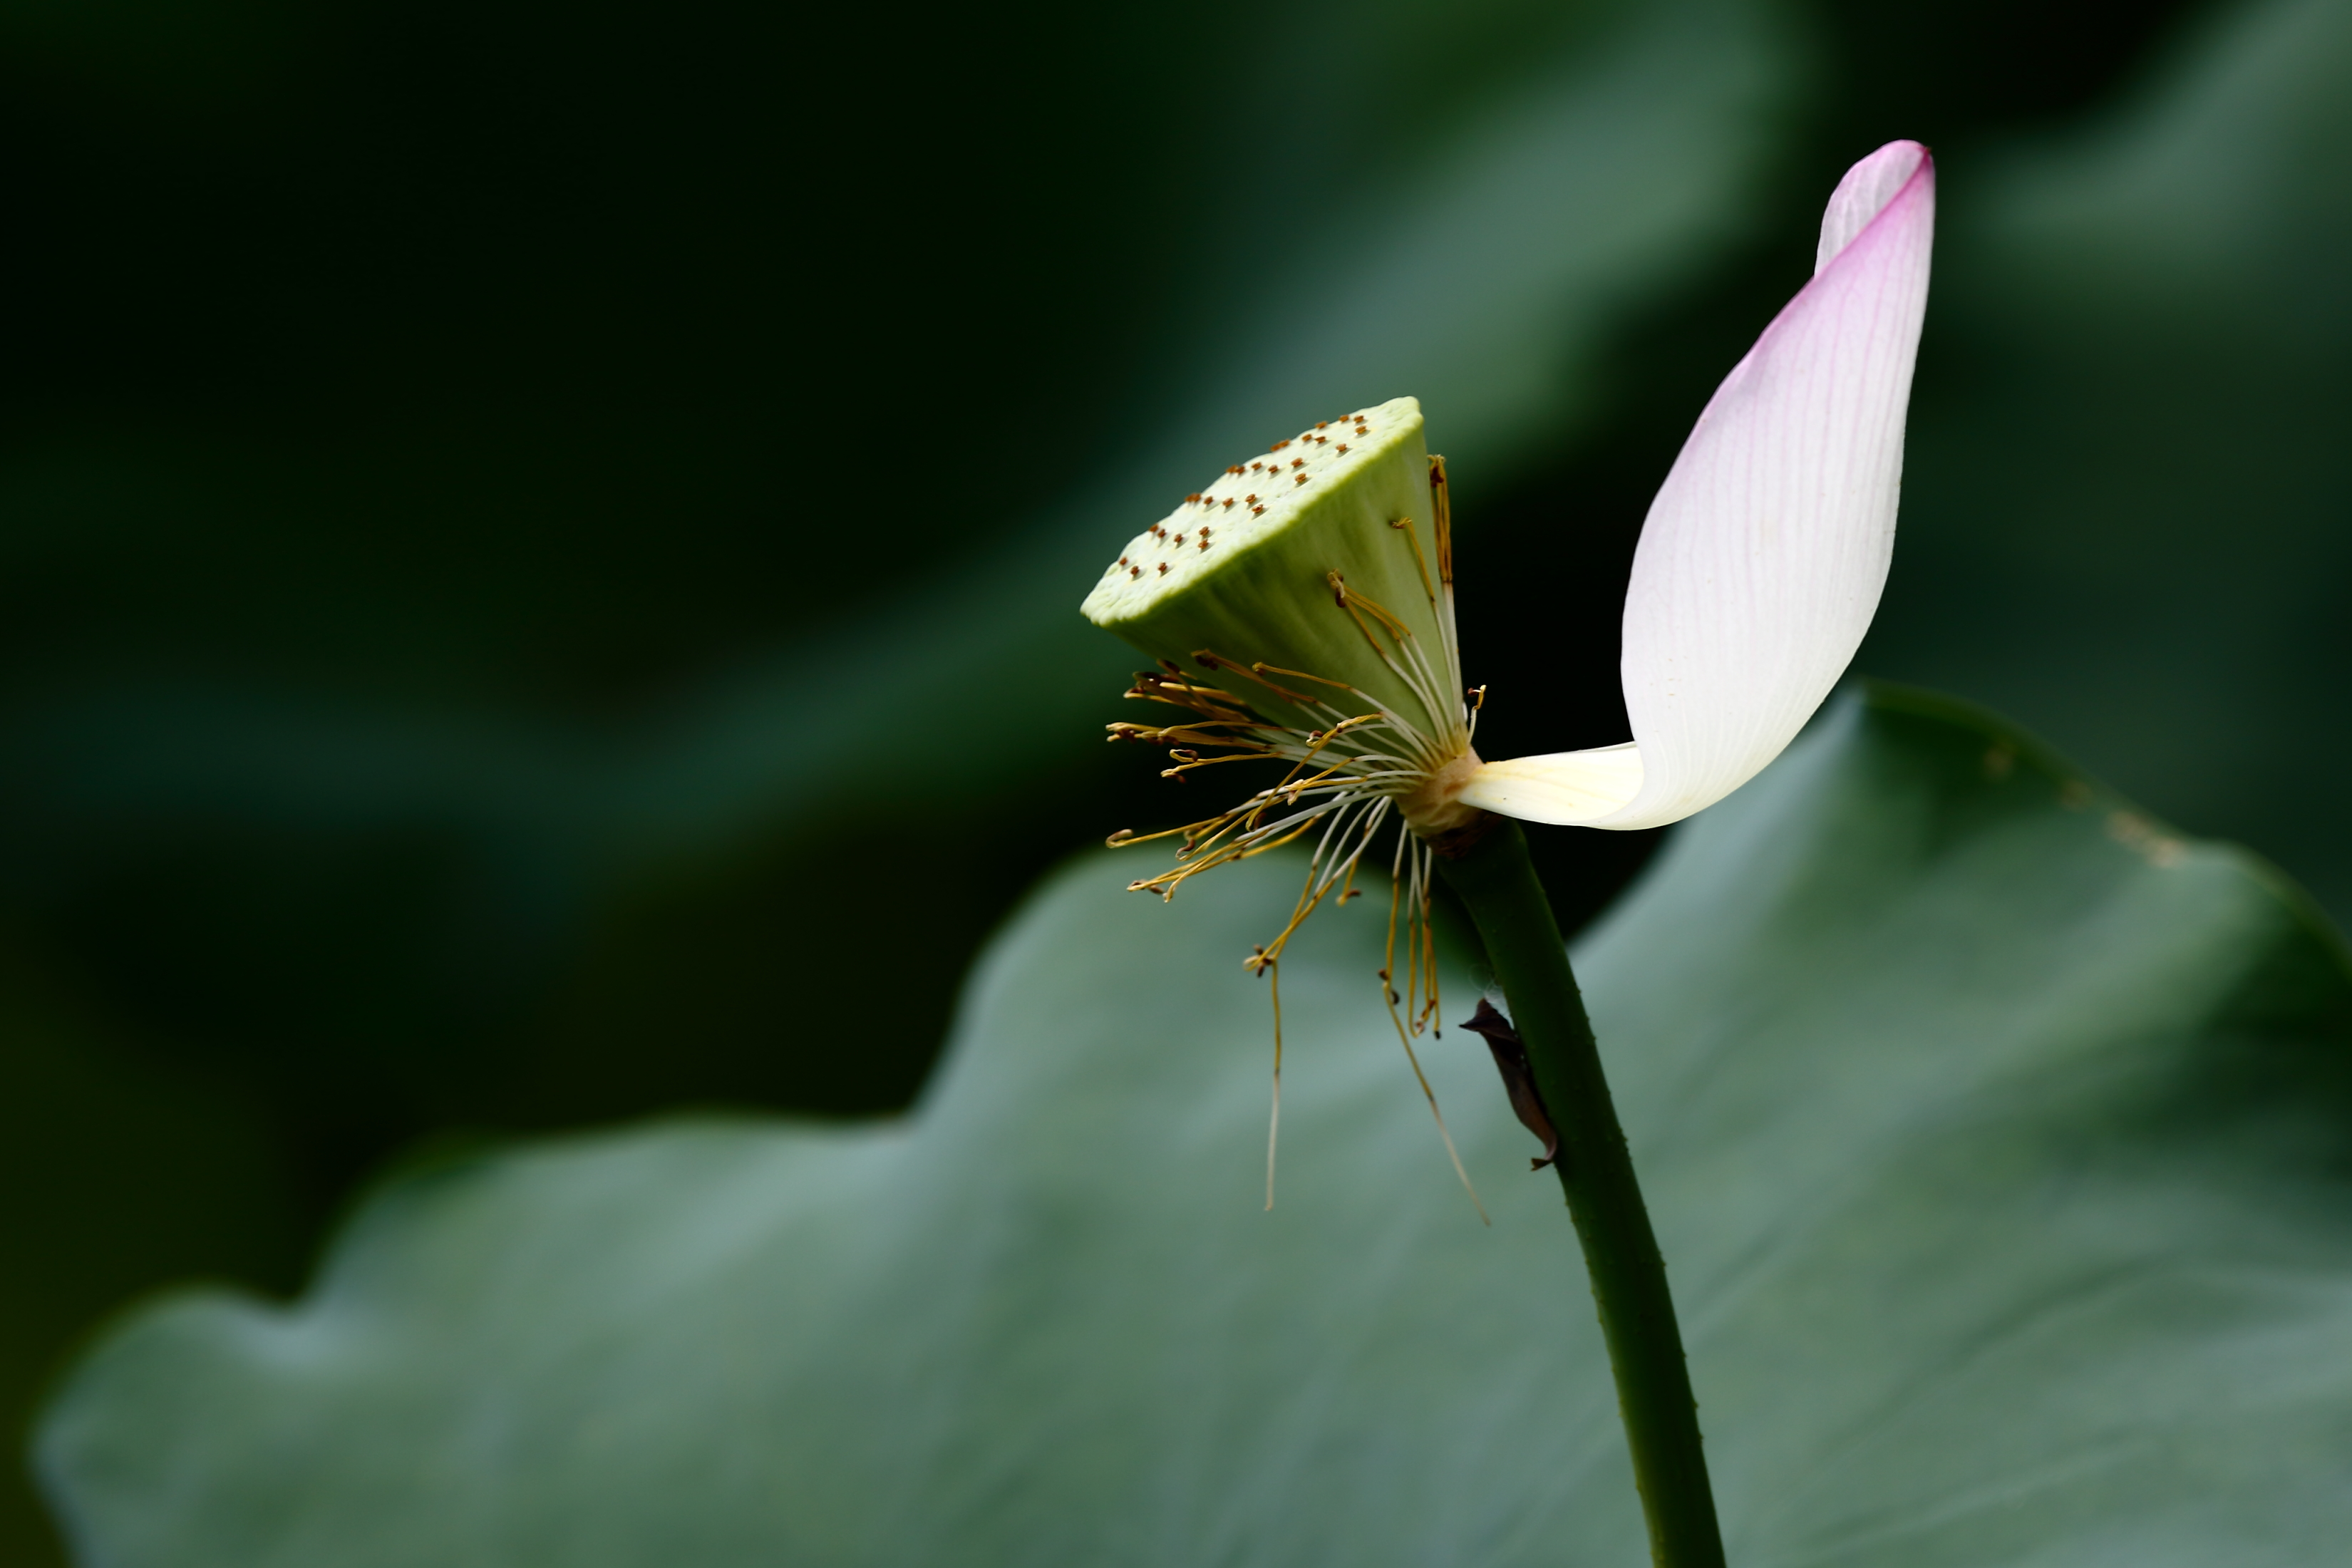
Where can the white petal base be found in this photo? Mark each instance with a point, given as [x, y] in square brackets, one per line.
[1570, 789]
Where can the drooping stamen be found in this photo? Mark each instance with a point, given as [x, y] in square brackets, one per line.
[1389, 998]
[1273, 1119]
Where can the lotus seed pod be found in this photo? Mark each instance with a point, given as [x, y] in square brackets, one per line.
[1252, 569]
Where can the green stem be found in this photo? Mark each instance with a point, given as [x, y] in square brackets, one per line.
[1497, 883]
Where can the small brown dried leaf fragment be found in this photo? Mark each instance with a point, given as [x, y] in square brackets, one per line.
[1519, 1078]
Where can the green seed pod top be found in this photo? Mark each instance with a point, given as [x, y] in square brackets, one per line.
[1326, 559]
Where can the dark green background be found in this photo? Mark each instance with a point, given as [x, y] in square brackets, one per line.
[537, 542]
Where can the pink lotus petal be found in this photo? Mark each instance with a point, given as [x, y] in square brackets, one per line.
[1762, 559]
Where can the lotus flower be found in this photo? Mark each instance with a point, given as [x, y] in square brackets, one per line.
[1301, 607]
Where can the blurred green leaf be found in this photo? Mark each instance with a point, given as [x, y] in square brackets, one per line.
[1994, 1134]
[116, 1177]
[2124, 515]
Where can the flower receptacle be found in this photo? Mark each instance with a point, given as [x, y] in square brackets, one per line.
[1436, 809]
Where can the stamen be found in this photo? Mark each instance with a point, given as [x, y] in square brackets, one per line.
[1441, 504]
[1207, 701]
[1445, 1136]
[1413, 539]
[1321, 680]
[1348, 599]
[1272, 968]
[1209, 660]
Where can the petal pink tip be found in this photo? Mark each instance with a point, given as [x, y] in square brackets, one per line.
[1869, 188]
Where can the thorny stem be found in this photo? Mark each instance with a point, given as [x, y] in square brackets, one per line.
[1497, 883]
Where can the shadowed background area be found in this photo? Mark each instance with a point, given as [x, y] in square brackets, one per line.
[529, 535]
